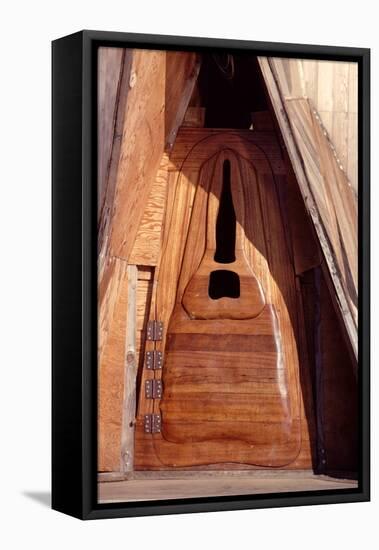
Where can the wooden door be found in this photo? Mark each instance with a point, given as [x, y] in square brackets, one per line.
[225, 293]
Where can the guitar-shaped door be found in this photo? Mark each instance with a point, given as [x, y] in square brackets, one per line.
[229, 376]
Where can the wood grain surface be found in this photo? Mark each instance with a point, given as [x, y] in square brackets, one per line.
[137, 104]
[215, 484]
[332, 88]
[231, 385]
[326, 191]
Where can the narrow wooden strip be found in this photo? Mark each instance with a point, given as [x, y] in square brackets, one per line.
[222, 360]
[189, 386]
[129, 412]
[221, 342]
[235, 372]
[226, 485]
[253, 432]
[111, 370]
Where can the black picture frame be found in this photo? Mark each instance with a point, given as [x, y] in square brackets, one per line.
[74, 295]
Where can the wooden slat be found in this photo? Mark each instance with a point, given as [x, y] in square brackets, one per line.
[332, 87]
[144, 296]
[182, 70]
[198, 342]
[110, 66]
[215, 484]
[111, 360]
[129, 404]
[108, 184]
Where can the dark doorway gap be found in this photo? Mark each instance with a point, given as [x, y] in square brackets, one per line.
[230, 91]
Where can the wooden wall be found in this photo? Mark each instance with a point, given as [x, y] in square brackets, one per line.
[326, 190]
[141, 105]
[332, 88]
[143, 97]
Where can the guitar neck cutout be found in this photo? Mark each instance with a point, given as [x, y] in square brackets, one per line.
[226, 221]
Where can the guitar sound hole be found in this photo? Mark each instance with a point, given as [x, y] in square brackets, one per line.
[226, 222]
[223, 284]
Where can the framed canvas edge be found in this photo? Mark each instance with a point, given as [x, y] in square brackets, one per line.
[75, 492]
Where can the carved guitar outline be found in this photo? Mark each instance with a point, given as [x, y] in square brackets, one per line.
[196, 300]
[183, 442]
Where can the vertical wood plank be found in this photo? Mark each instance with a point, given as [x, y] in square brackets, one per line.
[182, 70]
[310, 71]
[325, 86]
[111, 366]
[141, 149]
[353, 87]
[129, 409]
[340, 87]
[110, 63]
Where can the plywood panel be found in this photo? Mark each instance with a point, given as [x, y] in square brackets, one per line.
[141, 149]
[147, 245]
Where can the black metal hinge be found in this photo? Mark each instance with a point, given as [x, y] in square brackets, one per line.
[154, 360]
[153, 389]
[154, 330]
[152, 423]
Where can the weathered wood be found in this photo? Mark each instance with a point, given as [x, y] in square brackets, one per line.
[112, 155]
[214, 484]
[332, 86]
[326, 193]
[129, 405]
[141, 149]
[209, 472]
[147, 245]
[111, 361]
[182, 70]
[110, 67]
